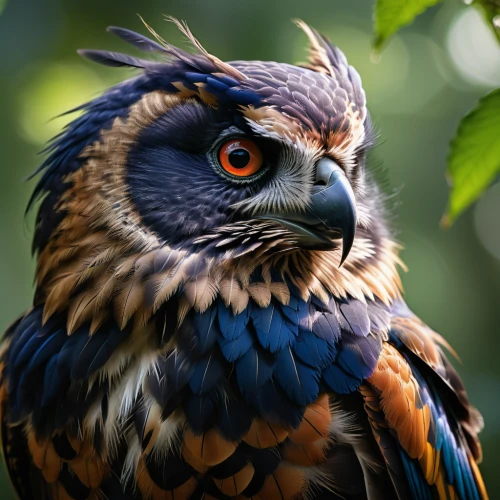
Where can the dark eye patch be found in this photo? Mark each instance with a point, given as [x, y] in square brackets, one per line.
[189, 127]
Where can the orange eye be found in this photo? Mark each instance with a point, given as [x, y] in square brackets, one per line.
[240, 157]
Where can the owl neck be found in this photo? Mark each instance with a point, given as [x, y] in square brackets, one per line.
[95, 278]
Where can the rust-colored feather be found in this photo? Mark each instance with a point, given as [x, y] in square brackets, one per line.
[287, 482]
[91, 470]
[306, 454]
[315, 422]
[263, 434]
[398, 392]
[52, 464]
[235, 484]
[211, 448]
[44, 456]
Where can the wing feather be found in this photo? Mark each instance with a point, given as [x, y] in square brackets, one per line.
[417, 433]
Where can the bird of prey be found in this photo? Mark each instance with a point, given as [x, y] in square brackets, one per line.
[218, 311]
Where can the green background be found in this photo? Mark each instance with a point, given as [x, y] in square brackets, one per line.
[416, 96]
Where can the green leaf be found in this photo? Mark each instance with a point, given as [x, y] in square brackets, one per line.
[474, 158]
[390, 15]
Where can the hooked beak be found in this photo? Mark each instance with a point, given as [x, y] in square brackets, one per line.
[331, 213]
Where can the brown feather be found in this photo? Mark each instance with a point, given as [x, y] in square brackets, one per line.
[59, 492]
[128, 301]
[233, 294]
[90, 470]
[195, 462]
[260, 293]
[80, 310]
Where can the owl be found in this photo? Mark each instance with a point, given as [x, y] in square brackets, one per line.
[218, 311]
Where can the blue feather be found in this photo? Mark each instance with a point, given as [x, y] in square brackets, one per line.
[327, 327]
[339, 381]
[244, 97]
[253, 370]
[453, 457]
[231, 325]
[355, 314]
[274, 330]
[206, 328]
[296, 313]
[232, 350]
[72, 348]
[52, 345]
[23, 332]
[359, 356]
[273, 404]
[231, 82]
[313, 350]
[200, 411]
[234, 419]
[52, 381]
[418, 484]
[299, 381]
[196, 77]
[97, 350]
[207, 372]
[32, 344]
[217, 84]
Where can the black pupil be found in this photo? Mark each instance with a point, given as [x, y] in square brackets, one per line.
[239, 158]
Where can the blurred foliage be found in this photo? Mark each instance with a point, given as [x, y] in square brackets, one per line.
[391, 15]
[474, 159]
[417, 93]
[491, 11]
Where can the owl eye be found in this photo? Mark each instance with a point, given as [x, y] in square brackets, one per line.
[240, 157]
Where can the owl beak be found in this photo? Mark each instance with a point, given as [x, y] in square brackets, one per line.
[331, 213]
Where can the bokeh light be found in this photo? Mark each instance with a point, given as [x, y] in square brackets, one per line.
[50, 90]
[474, 49]
[486, 220]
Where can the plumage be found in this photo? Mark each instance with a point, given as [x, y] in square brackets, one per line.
[218, 311]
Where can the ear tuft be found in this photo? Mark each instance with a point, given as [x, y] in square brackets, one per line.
[325, 58]
[318, 56]
[222, 66]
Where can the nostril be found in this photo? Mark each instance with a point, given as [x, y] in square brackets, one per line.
[325, 169]
[320, 183]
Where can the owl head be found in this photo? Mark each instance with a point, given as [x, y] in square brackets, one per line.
[199, 170]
